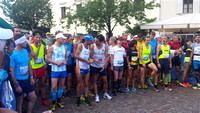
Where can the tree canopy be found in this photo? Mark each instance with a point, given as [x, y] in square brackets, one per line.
[107, 14]
[28, 14]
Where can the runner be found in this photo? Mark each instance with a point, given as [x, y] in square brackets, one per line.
[48, 69]
[57, 55]
[188, 46]
[83, 68]
[68, 44]
[99, 53]
[163, 57]
[22, 74]
[38, 64]
[132, 61]
[145, 62]
[196, 60]
[117, 65]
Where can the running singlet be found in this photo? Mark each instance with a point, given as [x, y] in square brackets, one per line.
[110, 49]
[196, 49]
[164, 52]
[145, 54]
[99, 54]
[138, 46]
[153, 50]
[133, 57]
[75, 60]
[20, 61]
[39, 62]
[85, 54]
[118, 53]
[58, 56]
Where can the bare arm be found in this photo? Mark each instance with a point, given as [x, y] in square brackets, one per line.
[49, 55]
[66, 57]
[33, 54]
[151, 58]
[157, 52]
[13, 75]
[79, 49]
[106, 56]
[140, 53]
[191, 55]
[75, 48]
[92, 51]
[30, 69]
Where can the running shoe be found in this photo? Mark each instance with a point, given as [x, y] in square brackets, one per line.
[60, 105]
[198, 84]
[177, 82]
[107, 96]
[139, 86]
[156, 89]
[166, 88]
[120, 91]
[87, 102]
[53, 107]
[78, 102]
[143, 90]
[44, 103]
[97, 100]
[150, 82]
[170, 89]
[183, 84]
[134, 90]
[161, 83]
[145, 86]
[91, 94]
[128, 91]
[114, 93]
[188, 84]
[171, 86]
[82, 98]
[196, 87]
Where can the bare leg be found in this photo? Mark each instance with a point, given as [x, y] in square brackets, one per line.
[142, 76]
[128, 78]
[32, 98]
[105, 83]
[95, 77]
[86, 84]
[19, 101]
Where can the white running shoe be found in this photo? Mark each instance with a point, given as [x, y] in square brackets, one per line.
[107, 96]
[97, 100]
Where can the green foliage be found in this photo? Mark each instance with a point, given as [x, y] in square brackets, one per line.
[106, 14]
[28, 14]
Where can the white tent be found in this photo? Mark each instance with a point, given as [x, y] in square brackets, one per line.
[185, 23]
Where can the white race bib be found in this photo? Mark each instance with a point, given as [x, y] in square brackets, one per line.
[23, 70]
[197, 58]
[39, 60]
[154, 56]
[145, 57]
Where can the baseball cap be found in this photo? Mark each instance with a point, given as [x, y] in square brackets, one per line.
[120, 38]
[89, 37]
[60, 35]
[135, 36]
[48, 33]
[6, 33]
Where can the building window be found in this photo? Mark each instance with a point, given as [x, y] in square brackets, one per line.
[187, 6]
[63, 11]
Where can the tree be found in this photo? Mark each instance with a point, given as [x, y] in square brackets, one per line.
[28, 14]
[107, 14]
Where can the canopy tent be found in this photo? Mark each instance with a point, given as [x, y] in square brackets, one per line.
[184, 23]
[4, 24]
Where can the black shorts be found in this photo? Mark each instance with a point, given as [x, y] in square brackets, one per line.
[69, 69]
[176, 61]
[118, 68]
[145, 64]
[164, 63]
[125, 64]
[48, 69]
[94, 71]
[155, 62]
[134, 67]
[26, 87]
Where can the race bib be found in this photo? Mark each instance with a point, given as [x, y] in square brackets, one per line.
[154, 56]
[120, 62]
[145, 57]
[197, 58]
[39, 60]
[134, 58]
[60, 59]
[166, 55]
[23, 70]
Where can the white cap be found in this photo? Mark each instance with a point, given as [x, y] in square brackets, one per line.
[6, 33]
[135, 36]
[60, 35]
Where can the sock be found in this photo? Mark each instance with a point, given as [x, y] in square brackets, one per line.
[60, 92]
[58, 100]
[53, 96]
[169, 78]
[119, 84]
[197, 78]
[114, 85]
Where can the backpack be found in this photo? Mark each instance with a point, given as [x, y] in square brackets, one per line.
[7, 97]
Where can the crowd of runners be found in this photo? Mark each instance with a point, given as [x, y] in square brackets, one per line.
[92, 65]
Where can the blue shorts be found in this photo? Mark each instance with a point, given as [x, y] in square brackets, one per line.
[196, 65]
[84, 71]
[164, 63]
[94, 71]
[26, 87]
[62, 74]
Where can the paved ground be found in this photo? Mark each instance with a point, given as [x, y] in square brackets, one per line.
[182, 100]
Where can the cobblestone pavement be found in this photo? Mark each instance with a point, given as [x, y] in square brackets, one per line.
[181, 100]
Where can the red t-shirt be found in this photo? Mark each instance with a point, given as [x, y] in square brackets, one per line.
[174, 46]
[125, 45]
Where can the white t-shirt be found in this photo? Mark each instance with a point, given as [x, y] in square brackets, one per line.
[119, 54]
[110, 49]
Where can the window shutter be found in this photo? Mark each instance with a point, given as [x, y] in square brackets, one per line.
[179, 7]
[196, 6]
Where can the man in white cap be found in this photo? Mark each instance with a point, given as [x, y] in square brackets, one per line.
[57, 55]
[22, 74]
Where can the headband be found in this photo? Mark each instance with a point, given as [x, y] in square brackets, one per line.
[50, 40]
[20, 40]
